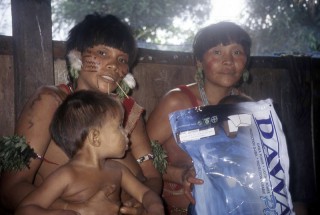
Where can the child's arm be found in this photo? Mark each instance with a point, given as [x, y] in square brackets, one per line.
[151, 200]
[152, 203]
[38, 201]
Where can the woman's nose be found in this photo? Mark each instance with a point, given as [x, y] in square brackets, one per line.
[227, 59]
[111, 66]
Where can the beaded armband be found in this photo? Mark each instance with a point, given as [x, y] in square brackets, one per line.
[145, 158]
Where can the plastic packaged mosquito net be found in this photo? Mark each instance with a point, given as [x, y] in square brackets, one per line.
[240, 152]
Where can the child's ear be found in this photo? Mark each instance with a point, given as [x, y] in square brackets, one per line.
[94, 137]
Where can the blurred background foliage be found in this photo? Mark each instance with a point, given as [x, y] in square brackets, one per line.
[276, 26]
[146, 17]
[284, 25]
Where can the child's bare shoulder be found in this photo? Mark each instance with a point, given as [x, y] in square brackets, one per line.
[116, 169]
[114, 164]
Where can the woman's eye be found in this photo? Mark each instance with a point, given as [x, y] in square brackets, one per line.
[123, 60]
[216, 52]
[237, 52]
[102, 53]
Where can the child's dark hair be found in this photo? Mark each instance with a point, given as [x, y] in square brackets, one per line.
[223, 33]
[80, 112]
[102, 30]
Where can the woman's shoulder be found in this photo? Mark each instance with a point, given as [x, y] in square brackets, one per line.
[51, 91]
[46, 96]
[178, 92]
[177, 98]
[47, 89]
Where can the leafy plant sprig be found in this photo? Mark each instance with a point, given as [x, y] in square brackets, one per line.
[15, 153]
[160, 157]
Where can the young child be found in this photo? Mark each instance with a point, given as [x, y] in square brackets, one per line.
[88, 127]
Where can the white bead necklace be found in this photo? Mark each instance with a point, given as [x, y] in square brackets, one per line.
[204, 97]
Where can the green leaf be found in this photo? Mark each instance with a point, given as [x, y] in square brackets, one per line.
[160, 157]
[15, 153]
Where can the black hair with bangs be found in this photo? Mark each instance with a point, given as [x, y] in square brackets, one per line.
[223, 33]
[107, 30]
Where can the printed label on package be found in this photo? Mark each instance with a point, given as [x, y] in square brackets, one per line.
[240, 152]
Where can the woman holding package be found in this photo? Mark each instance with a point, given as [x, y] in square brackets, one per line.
[100, 50]
[221, 52]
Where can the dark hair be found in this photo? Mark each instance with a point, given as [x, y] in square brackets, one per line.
[102, 30]
[223, 33]
[77, 114]
[234, 99]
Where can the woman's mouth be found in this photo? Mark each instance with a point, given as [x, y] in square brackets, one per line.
[108, 78]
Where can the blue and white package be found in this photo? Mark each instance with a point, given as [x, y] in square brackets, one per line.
[240, 152]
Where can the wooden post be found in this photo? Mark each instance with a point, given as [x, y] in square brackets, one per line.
[32, 48]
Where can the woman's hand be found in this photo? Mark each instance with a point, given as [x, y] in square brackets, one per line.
[132, 207]
[97, 205]
[188, 179]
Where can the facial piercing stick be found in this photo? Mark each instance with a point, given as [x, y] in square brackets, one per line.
[122, 90]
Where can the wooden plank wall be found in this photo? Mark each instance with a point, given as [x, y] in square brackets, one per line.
[32, 47]
[7, 116]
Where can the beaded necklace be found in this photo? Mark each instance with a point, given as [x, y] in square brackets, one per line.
[204, 97]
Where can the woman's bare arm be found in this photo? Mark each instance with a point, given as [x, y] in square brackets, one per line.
[33, 124]
[151, 200]
[159, 128]
[140, 146]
